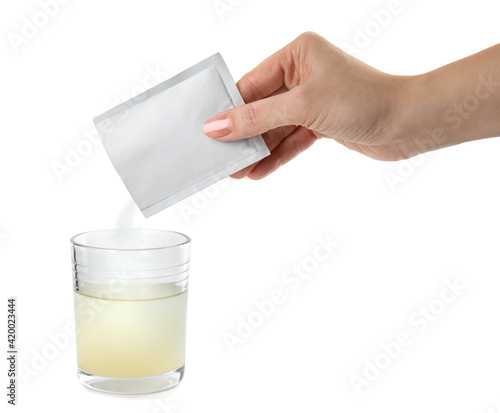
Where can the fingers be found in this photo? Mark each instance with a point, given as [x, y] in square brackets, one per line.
[289, 148]
[269, 103]
[279, 69]
[263, 80]
[275, 108]
[255, 118]
[281, 90]
[272, 138]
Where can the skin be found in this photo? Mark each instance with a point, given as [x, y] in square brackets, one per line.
[311, 89]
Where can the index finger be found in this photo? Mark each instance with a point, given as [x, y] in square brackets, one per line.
[263, 80]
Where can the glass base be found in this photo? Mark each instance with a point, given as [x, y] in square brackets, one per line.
[138, 385]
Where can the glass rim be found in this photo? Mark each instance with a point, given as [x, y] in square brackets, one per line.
[187, 240]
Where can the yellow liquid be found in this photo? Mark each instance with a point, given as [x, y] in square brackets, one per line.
[127, 338]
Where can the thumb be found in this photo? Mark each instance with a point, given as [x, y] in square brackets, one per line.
[251, 119]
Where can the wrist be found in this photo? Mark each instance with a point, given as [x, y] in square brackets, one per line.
[417, 116]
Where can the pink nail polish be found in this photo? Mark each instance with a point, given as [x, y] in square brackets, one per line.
[218, 126]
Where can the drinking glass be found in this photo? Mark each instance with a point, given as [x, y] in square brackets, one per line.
[130, 296]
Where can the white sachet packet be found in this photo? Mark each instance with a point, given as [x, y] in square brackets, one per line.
[156, 141]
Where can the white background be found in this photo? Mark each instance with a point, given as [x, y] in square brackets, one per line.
[397, 246]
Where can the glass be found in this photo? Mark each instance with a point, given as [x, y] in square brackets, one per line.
[130, 295]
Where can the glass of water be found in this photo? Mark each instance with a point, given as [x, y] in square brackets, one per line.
[130, 295]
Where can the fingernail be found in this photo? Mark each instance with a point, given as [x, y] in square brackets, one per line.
[218, 126]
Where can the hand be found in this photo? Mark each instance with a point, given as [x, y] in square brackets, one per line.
[308, 90]
[311, 89]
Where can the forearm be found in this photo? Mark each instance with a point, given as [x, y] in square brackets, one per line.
[456, 103]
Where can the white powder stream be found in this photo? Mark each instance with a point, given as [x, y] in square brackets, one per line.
[129, 216]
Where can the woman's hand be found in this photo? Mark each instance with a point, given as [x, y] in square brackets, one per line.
[311, 89]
